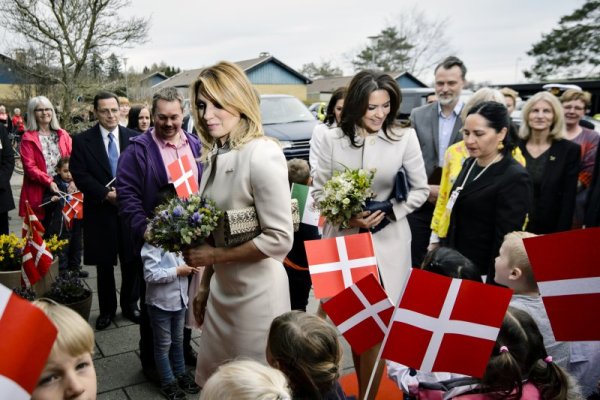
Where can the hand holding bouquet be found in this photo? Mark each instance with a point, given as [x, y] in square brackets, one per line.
[180, 223]
[345, 195]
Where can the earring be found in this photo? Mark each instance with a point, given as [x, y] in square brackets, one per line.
[500, 146]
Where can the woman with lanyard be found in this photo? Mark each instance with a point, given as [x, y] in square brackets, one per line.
[492, 195]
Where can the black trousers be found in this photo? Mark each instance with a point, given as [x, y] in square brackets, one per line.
[420, 222]
[4, 223]
[107, 291]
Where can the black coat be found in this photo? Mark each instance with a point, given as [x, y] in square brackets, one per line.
[91, 172]
[555, 203]
[592, 209]
[7, 166]
[487, 209]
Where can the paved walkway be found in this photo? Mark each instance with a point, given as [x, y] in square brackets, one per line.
[116, 358]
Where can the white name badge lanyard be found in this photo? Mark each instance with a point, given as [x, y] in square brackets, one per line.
[457, 191]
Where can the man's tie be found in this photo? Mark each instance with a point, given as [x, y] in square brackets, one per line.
[113, 154]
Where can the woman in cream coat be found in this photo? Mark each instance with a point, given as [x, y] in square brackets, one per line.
[244, 287]
[368, 139]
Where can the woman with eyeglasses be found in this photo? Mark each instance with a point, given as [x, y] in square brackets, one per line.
[43, 144]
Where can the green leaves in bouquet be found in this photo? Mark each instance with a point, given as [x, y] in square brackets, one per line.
[180, 223]
[345, 195]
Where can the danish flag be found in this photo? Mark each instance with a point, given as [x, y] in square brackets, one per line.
[183, 177]
[566, 267]
[361, 313]
[27, 339]
[31, 222]
[337, 263]
[446, 325]
[73, 208]
[36, 259]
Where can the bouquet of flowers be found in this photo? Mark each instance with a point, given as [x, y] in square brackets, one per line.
[11, 252]
[181, 223]
[345, 195]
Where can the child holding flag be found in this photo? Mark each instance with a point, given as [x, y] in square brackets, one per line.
[55, 223]
[296, 265]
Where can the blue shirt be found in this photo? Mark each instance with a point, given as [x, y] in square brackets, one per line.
[445, 127]
[164, 289]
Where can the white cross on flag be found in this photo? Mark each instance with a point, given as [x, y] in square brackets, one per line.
[36, 259]
[183, 177]
[31, 222]
[73, 208]
[27, 338]
[361, 313]
[337, 263]
[446, 325]
[566, 267]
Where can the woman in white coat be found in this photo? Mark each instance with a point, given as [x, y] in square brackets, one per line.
[368, 138]
[243, 287]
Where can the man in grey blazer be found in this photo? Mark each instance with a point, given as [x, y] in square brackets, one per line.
[437, 125]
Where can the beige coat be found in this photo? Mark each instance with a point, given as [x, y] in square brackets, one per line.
[245, 297]
[392, 244]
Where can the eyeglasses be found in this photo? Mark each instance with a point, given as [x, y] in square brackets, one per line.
[43, 110]
[109, 111]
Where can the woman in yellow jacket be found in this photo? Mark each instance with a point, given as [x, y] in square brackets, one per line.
[453, 160]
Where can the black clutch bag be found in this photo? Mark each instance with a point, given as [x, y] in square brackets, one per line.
[241, 225]
[401, 185]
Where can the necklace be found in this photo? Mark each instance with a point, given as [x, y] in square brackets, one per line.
[457, 191]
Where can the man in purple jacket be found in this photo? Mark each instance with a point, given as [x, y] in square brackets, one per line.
[141, 174]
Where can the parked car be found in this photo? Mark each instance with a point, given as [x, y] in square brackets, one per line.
[284, 118]
[287, 119]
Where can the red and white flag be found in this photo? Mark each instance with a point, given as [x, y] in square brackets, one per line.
[566, 267]
[361, 313]
[446, 325]
[27, 339]
[337, 263]
[31, 222]
[183, 177]
[73, 208]
[37, 259]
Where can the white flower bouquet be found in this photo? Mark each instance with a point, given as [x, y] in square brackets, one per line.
[345, 195]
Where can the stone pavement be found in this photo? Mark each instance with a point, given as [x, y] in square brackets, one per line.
[116, 357]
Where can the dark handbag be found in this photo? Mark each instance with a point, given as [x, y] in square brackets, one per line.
[401, 185]
[241, 225]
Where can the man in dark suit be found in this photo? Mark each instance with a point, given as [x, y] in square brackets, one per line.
[437, 125]
[93, 166]
[7, 166]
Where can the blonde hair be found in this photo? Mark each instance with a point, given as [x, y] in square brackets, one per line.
[483, 94]
[574, 94]
[557, 129]
[307, 349]
[75, 336]
[123, 101]
[508, 92]
[227, 86]
[517, 255]
[246, 380]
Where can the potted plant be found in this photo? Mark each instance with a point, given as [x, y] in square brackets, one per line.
[54, 245]
[68, 289]
[11, 252]
[25, 293]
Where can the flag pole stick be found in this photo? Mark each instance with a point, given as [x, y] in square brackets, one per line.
[111, 181]
[385, 338]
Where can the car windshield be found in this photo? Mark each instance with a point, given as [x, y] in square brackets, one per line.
[280, 110]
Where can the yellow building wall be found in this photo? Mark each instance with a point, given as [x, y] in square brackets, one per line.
[8, 92]
[295, 90]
